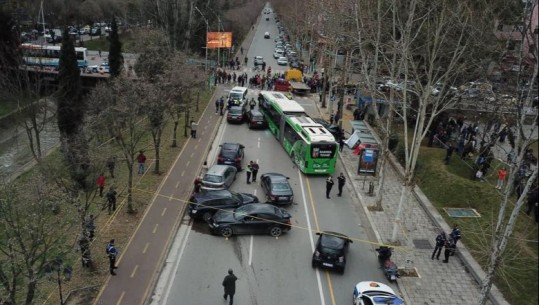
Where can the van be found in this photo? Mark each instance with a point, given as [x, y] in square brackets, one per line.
[219, 177]
[238, 95]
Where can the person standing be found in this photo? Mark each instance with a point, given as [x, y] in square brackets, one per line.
[329, 186]
[112, 253]
[532, 202]
[502, 174]
[254, 168]
[216, 106]
[99, 52]
[248, 172]
[252, 103]
[111, 164]
[455, 234]
[198, 184]
[111, 199]
[229, 284]
[141, 159]
[221, 105]
[341, 180]
[449, 153]
[450, 247]
[101, 183]
[194, 127]
[440, 242]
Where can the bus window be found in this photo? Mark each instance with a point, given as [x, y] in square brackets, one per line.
[290, 134]
[323, 150]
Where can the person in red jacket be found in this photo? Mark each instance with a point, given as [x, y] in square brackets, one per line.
[141, 159]
[101, 183]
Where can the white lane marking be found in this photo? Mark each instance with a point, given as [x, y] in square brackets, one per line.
[251, 251]
[254, 192]
[322, 298]
[178, 259]
[258, 143]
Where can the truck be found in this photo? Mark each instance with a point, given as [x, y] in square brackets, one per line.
[295, 79]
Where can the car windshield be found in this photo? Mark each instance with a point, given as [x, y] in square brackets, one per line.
[280, 186]
[258, 117]
[228, 153]
[236, 95]
[212, 178]
[235, 110]
[331, 243]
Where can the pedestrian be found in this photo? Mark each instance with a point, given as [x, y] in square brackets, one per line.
[252, 103]
[216, 106]
[198, 184]
[221, 105]
[229, 284]
[449, 152]
[440, 242]
[84, 246]
[90, 227]
[111, 199]
[502, 174]
[111, 164]
[99, 52]
[329, 185]
[141, 159]
[532, 202]
[341, 143]
[455, 234]
[112, 253]
[194, 127]
[101, 183]
[241, 50]
[341, 180]
[449, 249]
[248, 172]
[254, 168]
[357, 112]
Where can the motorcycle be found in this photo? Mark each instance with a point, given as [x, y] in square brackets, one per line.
[388, 266]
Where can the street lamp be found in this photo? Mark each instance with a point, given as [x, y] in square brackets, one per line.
[58, 265]
[207, 30]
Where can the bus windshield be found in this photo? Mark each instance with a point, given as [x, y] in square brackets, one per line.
[323, 150]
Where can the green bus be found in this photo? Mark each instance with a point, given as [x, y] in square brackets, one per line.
[309, 144]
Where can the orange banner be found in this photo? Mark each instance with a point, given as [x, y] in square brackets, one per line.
[216, 40]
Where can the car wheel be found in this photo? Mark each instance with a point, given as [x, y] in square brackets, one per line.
[206, 216]
[276, 231]
[341, 270]
[226, 232]
[313, 263]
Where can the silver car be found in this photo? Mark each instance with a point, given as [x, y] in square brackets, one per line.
[219, 177]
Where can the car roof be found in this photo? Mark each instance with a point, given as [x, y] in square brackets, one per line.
[218, 168]
[255, 112]
[213, 194]
[276, 176]
[237, 108]
[261, 208]
[373, 286]
[228, 145]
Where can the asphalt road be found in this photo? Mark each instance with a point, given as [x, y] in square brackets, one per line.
[273, 270]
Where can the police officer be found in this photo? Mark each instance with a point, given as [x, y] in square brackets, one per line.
[449, 249]
[112, 253]
[329, 186]
[440, 242]
[341, 180]
[248, 172]
[455, 234]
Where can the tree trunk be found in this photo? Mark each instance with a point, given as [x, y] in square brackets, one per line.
[189, 26]
[31, 286]
[157, 145]
[175, 134]
[405, 194]
[130, 208]
[381, 180]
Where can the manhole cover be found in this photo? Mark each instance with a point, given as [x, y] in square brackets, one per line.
[460, 212]
[422, 244]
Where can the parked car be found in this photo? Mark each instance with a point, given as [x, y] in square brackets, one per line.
[267, 35]
[335, 130]
[330, 251]
[219, 177]
[254, 218]
[205, 204]
[255, 119]
[231, 154]
[95, 32]
[278, 53]
[277, 188]
[373, 293]
[235, 115]
[295, 65]
[104, 68]
[282, 61]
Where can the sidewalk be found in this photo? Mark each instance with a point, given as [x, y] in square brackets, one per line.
[456, 282]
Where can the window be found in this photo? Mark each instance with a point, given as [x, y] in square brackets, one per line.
[290, 134]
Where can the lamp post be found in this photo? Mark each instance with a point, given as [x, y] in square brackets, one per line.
[58, 265]
[207, 30]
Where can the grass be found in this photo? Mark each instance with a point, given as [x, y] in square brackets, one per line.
[7, 105]
[120, 225]
[451, 186]
[103, 44]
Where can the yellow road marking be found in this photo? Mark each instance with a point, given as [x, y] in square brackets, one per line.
[330, 286]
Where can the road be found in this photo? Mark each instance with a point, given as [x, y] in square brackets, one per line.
[271, 270]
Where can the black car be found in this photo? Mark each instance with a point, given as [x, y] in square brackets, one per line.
[277, 188]
[231, 154]
[335, 130]
[255, 119]
[255, 218]
[235, 115]
[206, 203]
[330, 251]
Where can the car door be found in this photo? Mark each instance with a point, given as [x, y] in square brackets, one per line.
[264, 184]
[229, 177]
[254, 224]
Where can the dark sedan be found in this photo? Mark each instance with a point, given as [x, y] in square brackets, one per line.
[203, 205]
[277, 188]
[335, 130]
[330, 251]
[235, 115]
[255, 119]
[231, 154]
[255, 218]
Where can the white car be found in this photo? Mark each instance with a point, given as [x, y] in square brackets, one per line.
[278, 53]
[259, 60]
[282, 61]
[374, 293]
[267, 35]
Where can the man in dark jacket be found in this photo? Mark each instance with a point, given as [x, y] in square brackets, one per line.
[229, 283]
[329, 186]
[449, 250]
[341, 181]
[455, 234]
[440, 242]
